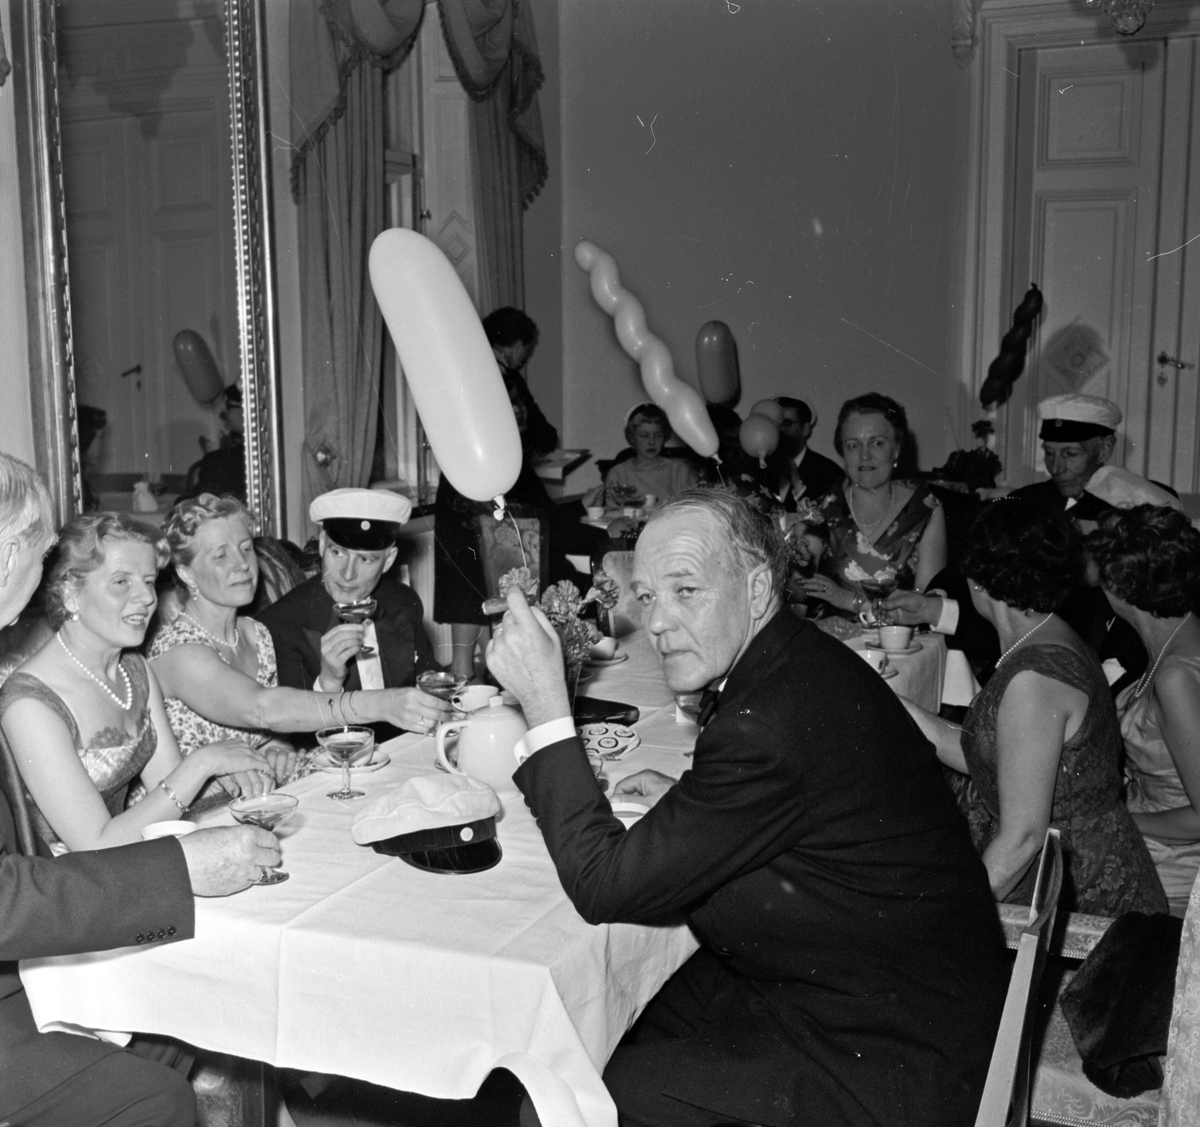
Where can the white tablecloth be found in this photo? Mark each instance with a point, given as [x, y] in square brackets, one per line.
[919, 676]
[363, 966]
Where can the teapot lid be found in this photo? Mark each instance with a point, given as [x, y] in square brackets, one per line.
[496, 708]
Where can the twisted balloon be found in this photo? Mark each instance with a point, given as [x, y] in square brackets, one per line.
[684, 407]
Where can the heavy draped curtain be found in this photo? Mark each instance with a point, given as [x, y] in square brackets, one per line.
[340, 52]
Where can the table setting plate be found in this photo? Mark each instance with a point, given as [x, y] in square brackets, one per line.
[321, 763]
[609, 741]
[914, 648]
[629, 812]
[888, 674]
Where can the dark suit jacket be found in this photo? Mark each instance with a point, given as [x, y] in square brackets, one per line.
[299, 620]
[815, 848]
[818, 474]
[131, 895]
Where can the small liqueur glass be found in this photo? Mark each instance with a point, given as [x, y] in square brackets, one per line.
[357, 613]
[266, 811]
[343, 744]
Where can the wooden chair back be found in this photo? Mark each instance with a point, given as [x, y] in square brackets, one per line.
[1005, 1101]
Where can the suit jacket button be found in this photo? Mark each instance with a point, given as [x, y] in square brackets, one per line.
[161, 933]
[171, 930]
[141, 938]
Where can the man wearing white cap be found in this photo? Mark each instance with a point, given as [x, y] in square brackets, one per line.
[315, 648]
[1078, 433]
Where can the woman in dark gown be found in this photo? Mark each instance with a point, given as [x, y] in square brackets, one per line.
[1041, 741]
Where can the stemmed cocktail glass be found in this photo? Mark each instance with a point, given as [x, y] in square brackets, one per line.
[266, 811]
[357, 613]
[443, 685]
[344, 744]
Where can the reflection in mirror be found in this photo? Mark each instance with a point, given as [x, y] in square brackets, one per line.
[148, 249]
[147, 179]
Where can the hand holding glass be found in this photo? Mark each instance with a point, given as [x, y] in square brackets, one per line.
[357, 613]
[266, 811]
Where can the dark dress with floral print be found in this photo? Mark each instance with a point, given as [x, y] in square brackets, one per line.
[1109, 870]
[892, 560]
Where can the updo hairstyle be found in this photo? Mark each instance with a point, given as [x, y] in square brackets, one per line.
[874, 404]
[1027, 555]
[81, 550]
[1150, 557]
[187, 517]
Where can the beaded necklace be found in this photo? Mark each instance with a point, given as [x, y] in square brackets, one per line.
[126, 704]
[1022, 638]
[1147, 677]
[237, 637]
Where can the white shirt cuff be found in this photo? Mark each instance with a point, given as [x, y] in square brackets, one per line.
[552, 732]
[947, 621]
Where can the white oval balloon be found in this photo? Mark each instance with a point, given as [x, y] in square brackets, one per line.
[456, 383]
[682, 403]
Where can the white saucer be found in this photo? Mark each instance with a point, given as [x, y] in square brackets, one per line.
[888, 674]
[601, 662]
[911, 649]
[629, 812]
[321, 763]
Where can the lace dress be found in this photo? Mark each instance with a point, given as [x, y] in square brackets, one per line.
[113, 757]
[1154, 783]
[891, 557]
[1109, 870]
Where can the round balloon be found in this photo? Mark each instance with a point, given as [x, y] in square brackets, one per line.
[717, 363]
[682, 403]
[768, 409]
[455, 380]
[759, 437]
[196, 362]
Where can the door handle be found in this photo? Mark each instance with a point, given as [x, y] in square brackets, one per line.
[1165, 361]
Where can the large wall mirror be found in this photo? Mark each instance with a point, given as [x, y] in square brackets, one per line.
[145, 183]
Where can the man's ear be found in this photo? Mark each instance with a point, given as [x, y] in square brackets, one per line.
[760, 586]
[9, 551]
[389, 558]
[1108, 445]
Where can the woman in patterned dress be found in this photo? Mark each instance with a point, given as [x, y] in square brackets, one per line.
[1040, 741]
[85, 716]
[884, 533]
[217, 668]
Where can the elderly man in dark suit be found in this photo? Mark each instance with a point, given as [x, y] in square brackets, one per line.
[852, 969]
[128, 896]
[316, 649]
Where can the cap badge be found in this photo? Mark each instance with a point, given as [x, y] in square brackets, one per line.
[365, 525]
[467, 833]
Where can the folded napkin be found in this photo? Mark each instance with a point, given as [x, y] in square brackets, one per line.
[1118, 1005]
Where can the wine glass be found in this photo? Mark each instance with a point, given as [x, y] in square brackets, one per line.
[344, 744]
[266, 811]
[357, 613]
[876, 590]
[443, 685]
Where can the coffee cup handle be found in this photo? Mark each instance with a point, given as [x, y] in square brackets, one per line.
[439, 740]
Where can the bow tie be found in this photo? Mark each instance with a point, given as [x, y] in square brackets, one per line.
[708, 705]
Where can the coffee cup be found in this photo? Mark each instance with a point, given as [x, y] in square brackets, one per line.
[605, 649]
[471, 697]
[895, 638]
[875, 658]
[595, 512]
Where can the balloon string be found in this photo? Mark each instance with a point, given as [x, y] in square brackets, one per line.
[520, 539]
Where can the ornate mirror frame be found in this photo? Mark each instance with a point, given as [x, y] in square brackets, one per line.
[48, 302]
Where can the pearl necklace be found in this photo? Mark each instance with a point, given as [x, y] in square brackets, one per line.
[1147, 677]
[868, 530]
[237, 637]
[1022, 638]
[125, 704]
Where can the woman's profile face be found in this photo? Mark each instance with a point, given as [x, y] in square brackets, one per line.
[116, 600]
[647, 439]
[224, 567]
[869, 449]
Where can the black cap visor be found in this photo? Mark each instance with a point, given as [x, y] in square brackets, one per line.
[360, 535]
[444, 851]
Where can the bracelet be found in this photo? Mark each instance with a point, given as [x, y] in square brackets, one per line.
[858, 603]
[173, 796]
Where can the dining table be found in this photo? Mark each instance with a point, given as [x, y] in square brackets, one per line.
[363, 966]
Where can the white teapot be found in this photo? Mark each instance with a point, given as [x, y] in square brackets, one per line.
[486, 742]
